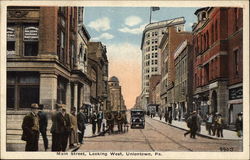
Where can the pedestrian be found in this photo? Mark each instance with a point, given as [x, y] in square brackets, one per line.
[119, 122]
[30, 128]
[170, 118]
[166, 116]
[189, 124]
[99, 121]
[179, 116]
[214, 129]
[66, 128]
[239, 124]
[209, 123]
[93, 122]
[219, 125]
[160, 115]
[43, 123]
[81, 123]
[199, 122]
[193, 125]
[73, 137]
[53, 130]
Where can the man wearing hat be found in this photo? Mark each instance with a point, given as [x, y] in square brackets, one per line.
[30, 128]
[219, 123]
[239, 124]
[81, 121]
[43, 123]
[54, 130]
[73, 137]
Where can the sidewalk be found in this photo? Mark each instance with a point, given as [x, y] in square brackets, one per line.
[14, 142]
[228, 134]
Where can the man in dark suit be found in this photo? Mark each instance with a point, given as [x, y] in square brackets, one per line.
[30, 128]
[43, 123]
[53, 130]
[99, 121]
[81, 121]
[60, 129]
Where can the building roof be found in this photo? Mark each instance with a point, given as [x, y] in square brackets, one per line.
[114, 79]
[162, 24]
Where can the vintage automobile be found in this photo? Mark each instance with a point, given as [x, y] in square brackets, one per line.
[137, 118]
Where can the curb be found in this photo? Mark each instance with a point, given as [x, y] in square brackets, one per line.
[199, 134]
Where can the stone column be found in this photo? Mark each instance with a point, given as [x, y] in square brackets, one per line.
[81, 95]
[68, 97]
[48, 90]
[75, 94]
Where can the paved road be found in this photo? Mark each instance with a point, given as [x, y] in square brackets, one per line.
[157, 137]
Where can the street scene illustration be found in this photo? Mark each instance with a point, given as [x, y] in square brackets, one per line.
[146, 79]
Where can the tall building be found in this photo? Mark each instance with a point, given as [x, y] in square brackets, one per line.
[218, 67]
[151, 57]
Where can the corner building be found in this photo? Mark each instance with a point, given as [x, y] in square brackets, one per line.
[218, 61]
[45, 63]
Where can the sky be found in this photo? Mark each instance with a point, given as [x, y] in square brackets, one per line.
[120, 29]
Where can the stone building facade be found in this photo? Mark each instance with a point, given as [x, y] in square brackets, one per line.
[218, 65]
[168, 46]
[183, 77]
[115, 95]
[98, 70]
[151, 56]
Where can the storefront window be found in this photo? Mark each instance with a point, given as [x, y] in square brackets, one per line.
[22, 89]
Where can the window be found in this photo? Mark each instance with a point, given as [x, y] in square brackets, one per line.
[156, 69]
[156, 55]
[152, 69]
[156, 33]
[61, 91]
[236, 61]
[11, 38]
[156, 61]
[153, 48]
[216, 30]
[212, 33]
[152, 62]
[30, 41]
[153, 33]
[235, 19]
[22, 89]
[156, 47]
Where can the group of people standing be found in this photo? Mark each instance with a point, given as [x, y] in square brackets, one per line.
[66, 127]
[215, 124]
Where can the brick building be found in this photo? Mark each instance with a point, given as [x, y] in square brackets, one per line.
[168, 45]
[45, 63]
[218, 61]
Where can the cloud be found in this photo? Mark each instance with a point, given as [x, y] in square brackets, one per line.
[125, 64]
[103, 36]
[101, 24]
[137, 30]
[132, 20]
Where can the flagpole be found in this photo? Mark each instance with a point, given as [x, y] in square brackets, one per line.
[150, 15]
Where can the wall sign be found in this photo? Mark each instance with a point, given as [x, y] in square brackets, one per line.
[31, 33]
[11, 34]
[235, 93]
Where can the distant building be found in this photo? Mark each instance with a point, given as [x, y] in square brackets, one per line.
[154, 95]
[98, 71]
[151, 56]
[115, 95]
[218, 69]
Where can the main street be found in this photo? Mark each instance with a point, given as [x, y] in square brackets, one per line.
[156, 136]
